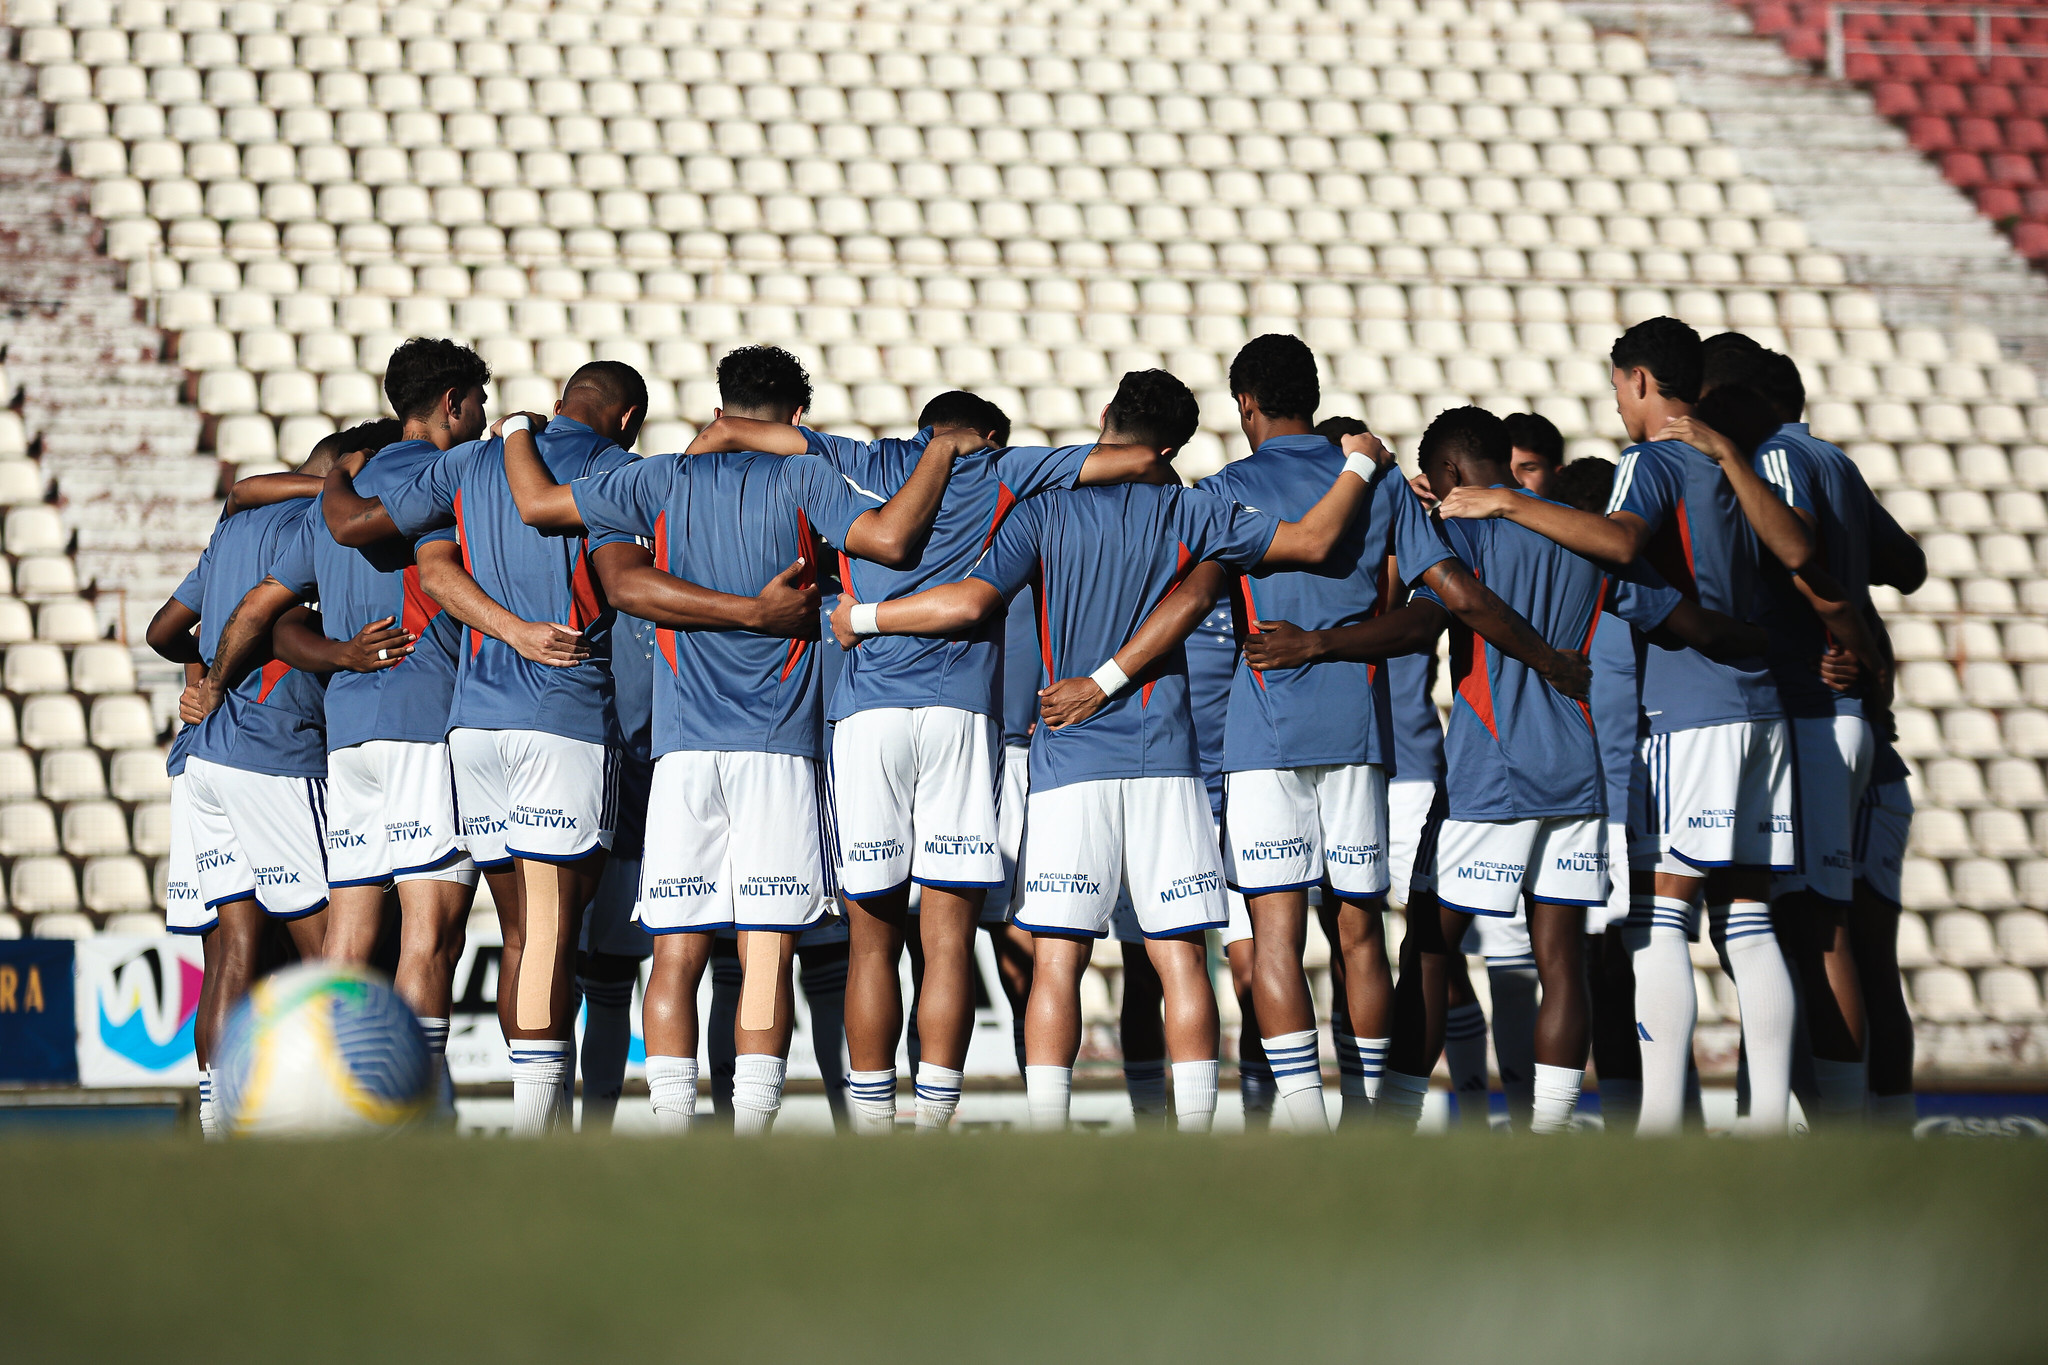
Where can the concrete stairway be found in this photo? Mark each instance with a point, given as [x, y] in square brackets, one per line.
[1903, 232]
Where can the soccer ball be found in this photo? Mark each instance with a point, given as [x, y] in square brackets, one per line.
[322, 1050]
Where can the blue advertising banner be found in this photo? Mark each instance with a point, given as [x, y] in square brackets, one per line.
[38, 1019]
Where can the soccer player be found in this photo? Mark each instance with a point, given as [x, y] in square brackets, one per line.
[1882, 826]
[737, 712]
[390, 799]
[1116, 799]
[1539, 452]
[916, 741]
[1719, 808]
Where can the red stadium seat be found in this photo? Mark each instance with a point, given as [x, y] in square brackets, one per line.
[2026, 135]
[1993, 101]
[1979, 135]
[1769, 18]
[1940, 97]
[1931, 134]
[1896, 99]
[2034, 204]
[2034, 101]
[2031, 240]
[1865, 67]
[1958, 69]
[2011, 168]
[2008, 70]
[1998, 201]
[1964, 170]
[1909, 66]
[1807, 44]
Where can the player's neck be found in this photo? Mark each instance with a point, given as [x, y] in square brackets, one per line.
[1658, 410]
[437, 434]
[1261, 428]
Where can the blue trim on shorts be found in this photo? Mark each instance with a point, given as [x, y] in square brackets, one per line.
[286, 917]
[1183, 933]
[685, 929]
[435, 866]
[557, 861]
[360, 881]
[903, 885]
[199, 932]
[960, 886]
[218, 901]
[1355, 897]
[1565, 900]
[499, 866]
[1081, 934]
[1470, 910]
[1269, 890]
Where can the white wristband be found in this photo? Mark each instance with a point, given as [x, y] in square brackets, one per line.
[864, 618]
[1110, 678]
[1364, 466]
[519, 423]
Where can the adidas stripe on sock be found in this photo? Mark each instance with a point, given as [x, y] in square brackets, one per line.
[871, 1097]
[1298, 1079]
[538, 1065]
[938, 1095]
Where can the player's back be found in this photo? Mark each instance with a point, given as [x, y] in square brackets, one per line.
[1702, 545]
[1212, 665]
[913, 670]
[1417, 727]
[1023, 670]
[272, 722]
[1817, 477]
[1516, 748]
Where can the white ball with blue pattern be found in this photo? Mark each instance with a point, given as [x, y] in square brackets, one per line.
[322, 1050]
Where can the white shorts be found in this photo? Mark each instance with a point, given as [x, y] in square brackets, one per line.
[916, 793]
[1012, 799]
[391, 815]
[1407, 812]
[1484, 866]
[1502, 942]
[1716, 796]
[1238, 928]
[1599, 918]
[1290, 828]
[185, 910]
[608, 922]
[256, 836]
[1883, 822]
[533, 795]
[735, 840]
[1831, 758]
[1087, 841]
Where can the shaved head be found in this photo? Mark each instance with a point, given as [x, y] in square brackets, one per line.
[609, 397]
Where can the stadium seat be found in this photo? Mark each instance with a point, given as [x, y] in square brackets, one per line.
[67, 622]
[153, 829]
[1915, 948]
[117, 885]
[27, 828]
[102, 668]
[10, 926]
[143, 924]
[122, 721]
[93, 828]
[138, 775]
[1944, 995]
[44, 886]
[62, 925]
[52, 721]
[72, 775]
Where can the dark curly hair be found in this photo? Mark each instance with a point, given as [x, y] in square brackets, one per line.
[763, 379]
[424, 368]
[1279, 372]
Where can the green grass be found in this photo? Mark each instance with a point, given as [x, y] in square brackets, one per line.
[1014, 1248]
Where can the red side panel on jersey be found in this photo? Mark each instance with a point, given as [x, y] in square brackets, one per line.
[419, 609]
[1670, 554]
[1476, 689]
[584, 608]
[1005, 500]
[804, 579]
[1181, 569]
[1044, 624]
[476, 638]
[1586, 645]
[664, 638]
[273, 674]
[1246, 609]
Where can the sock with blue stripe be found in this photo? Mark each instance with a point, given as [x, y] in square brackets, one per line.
[436, 1033]
[1400, 1101]
[537, 1068]
[1255, 1088]
[938, 1095]
[1763, 989]
[871, 1097]
[1658, 932]
[1298, 1080]
[1465, 1059]
[1556, 1095]
[1145, 1082]
[1194, 1096]
[1048, 1094]
[209, 1117]
[756, 1092]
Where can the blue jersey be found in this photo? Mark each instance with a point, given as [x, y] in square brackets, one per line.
[189, 596]
[632, 661]
[1100, 559]
[1516, 748]
[729, 522]
[1418, 729]
[1337, 711]
[1815, 477]
[1212, 666]
[1616, 702]
[408, 701]
[1701, 544]
[1023, 671]
[272, 722]
[914, 670]
[536, 577]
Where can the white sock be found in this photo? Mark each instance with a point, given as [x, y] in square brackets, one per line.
[1556, 1095]
[1400, 1101]
[1843, 1089]
[209, 1117]
[1255, 1088]
[938, 1095]
[1893, 1111]
[607, 1035]
[1048, 1093]
[756, 1092]
[672, 1089]
[1146, 1084]
[436, 1031]
[871, 1099]
[1657, 934]
[537, 1068]
[1194, 1096]
[1763, 988]
[1513, 986]
[1298, 1080]
[1621, 1100]
[1359, 1064]
[1465, 1058]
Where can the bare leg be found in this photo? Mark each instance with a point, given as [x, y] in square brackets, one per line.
[534, 989]
[1052, 1020]
[1013, 970]
[240, 940]
[1557, 935]
[765, 1032]
[1142, 1036]
[355, 915]
[945, 1004]
[1254, 1075]
[1360, 942]
[669, 1012]
[203, 1024]
[309, 934]
[874, 994]
[1279, 927]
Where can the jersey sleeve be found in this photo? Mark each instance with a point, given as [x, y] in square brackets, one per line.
[293, 564]
[1789, 475]
[190, 593]
[624, 503]
[426, 501]
[1641, 597]
[1417, 543]
[1646, 484]
[604, 462]
[832, 501]
[1029, 470]
[1217, 528]
[1012, 558]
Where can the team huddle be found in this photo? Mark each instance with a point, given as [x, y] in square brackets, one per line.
[791, 696]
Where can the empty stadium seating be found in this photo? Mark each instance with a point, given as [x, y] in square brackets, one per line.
[1451, 200]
